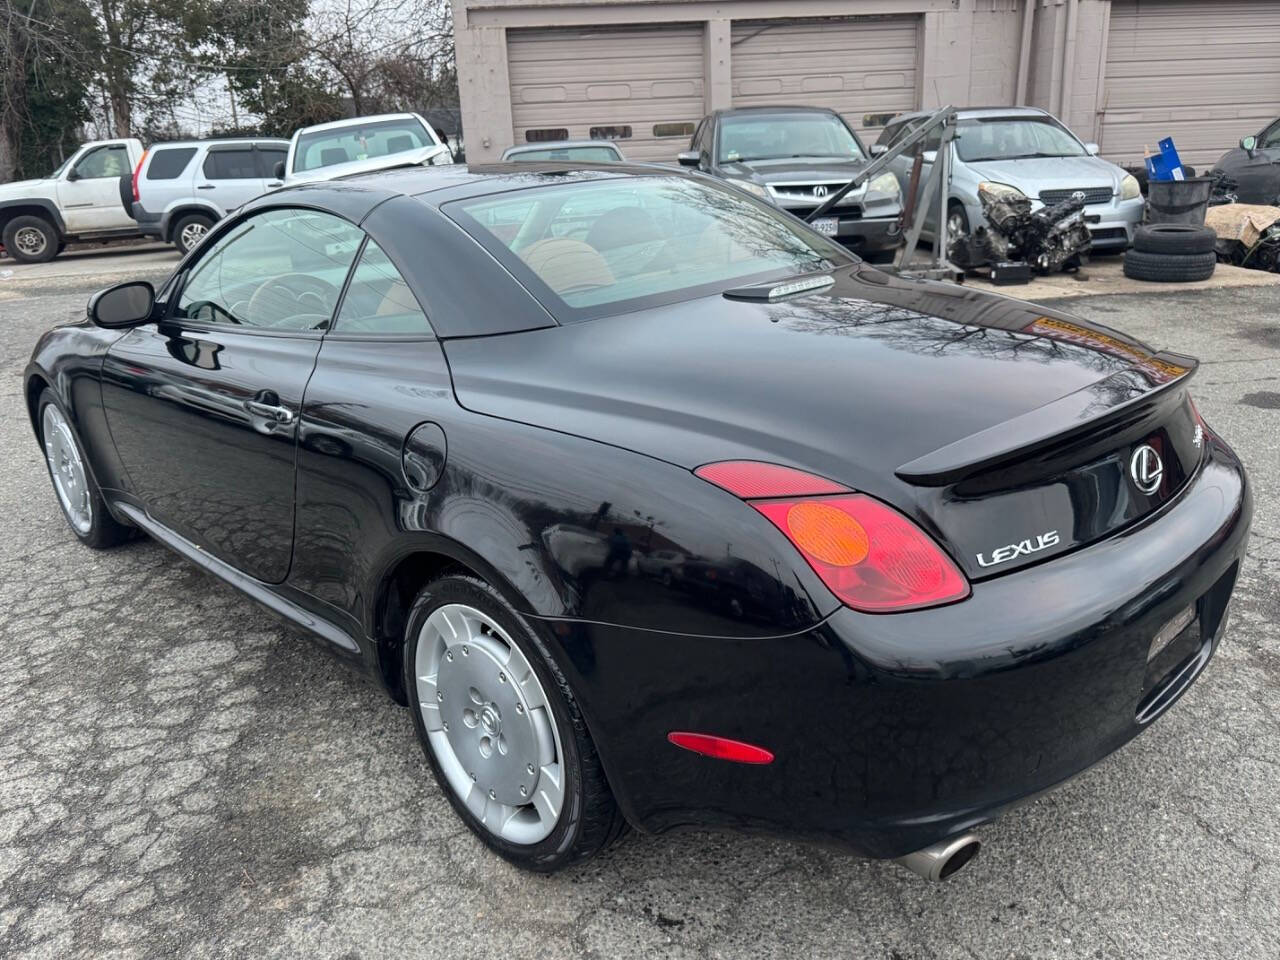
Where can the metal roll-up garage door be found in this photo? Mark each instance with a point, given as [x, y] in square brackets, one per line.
[857, 66]
[640, 86]
[1205, 74]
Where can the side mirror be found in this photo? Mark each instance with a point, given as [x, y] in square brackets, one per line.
[124, 305]
[1249, 143]
[1092, 149]
[72, 175]
[689, 158]
[878, 148]
[929, 156]
[278, 170]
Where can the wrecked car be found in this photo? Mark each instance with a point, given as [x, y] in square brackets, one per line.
[1254, 165]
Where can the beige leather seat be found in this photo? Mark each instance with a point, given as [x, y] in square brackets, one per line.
[567, 265]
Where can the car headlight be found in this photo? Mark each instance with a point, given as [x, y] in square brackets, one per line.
[1130, 188]
[885, 183]
[1000, 191]
[750, 187]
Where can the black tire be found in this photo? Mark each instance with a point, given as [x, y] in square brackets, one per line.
[1169, 267]
[28, 253]
[589, 819]
[1177, 238]
[104, 530]
[181, 239]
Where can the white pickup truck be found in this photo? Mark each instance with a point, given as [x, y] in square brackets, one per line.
[81, 200]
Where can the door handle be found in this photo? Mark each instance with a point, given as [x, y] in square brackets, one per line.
[206, 186]
[276, 183]
[269, 411]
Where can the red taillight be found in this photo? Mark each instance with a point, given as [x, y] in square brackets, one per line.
[749, 479]
[721, 748]
[136, 172]
[868, 554]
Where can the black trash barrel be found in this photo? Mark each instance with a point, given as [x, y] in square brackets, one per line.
[1178, 201]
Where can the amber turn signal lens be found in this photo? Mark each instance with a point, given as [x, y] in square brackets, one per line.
[829, 534]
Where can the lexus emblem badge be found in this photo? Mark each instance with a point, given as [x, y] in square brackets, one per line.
[1146, 469]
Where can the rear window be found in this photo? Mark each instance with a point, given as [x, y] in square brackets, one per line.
[772, 136]
[169, 164]
[593, 248]
[580, 154]
[359, 141]
[231, 165]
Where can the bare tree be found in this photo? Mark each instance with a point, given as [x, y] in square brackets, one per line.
[383, 52]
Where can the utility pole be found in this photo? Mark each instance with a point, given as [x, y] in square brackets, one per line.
[231, 91]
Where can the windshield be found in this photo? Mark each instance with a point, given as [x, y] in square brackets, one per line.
[1014, 139]
[579, 154]
[359, 141]
[772, 136]
[597, 247]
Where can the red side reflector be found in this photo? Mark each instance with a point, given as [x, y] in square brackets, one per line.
[720, 747]
[869, 555]
[750, 479]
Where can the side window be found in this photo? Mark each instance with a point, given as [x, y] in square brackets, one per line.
[280, 270]
[108, 161]
[231, 165]
[268, 157]
[169, 164]
[378, 300]
[889, 134]
[1270, 138]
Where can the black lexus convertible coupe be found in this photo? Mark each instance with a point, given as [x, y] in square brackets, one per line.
[656, 507]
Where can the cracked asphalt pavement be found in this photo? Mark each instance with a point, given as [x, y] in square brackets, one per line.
[182, 777]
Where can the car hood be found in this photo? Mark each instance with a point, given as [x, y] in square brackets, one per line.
[793, 169]
[407, 158]
[881, 383]
[1035, 174]
[23, 188]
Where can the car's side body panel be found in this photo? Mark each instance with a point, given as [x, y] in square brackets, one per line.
[178, 397]
[561, 522]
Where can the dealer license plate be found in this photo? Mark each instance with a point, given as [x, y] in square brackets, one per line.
[827, 226]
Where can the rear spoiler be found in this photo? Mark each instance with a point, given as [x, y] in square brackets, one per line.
[1117, 403]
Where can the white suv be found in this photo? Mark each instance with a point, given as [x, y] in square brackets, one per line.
[78, 201]
[330, 150]
[181, 189]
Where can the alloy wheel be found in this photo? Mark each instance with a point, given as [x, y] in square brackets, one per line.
[67, 470]
[489, 724]
[192, 234]
[29, 241]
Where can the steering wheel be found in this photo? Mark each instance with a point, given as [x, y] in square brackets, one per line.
[309, 294]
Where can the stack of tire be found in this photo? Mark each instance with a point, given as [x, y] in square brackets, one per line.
[1171, 253]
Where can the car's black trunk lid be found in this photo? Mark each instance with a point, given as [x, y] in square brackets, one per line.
[990, 421]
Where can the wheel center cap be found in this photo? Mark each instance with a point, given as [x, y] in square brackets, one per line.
[491, 720]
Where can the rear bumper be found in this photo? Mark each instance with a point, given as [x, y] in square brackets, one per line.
[149, 224]
[894, 732]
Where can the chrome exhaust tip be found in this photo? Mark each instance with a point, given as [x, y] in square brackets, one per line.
[943, 860]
